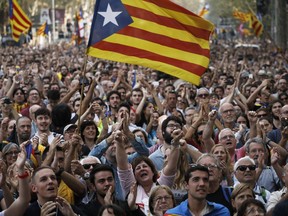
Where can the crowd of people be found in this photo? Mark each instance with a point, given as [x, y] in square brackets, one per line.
[86, 136]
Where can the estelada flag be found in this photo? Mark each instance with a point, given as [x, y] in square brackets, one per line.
[243, 17]
[256, 25]
[43, 29]
[153, 33]
[19, 21]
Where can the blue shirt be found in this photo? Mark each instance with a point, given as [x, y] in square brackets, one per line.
[183, 209]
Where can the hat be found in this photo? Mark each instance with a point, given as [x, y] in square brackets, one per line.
[262, 72]
[67, 127]
[245, 74]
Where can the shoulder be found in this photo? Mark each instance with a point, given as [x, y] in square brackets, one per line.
[218, 209]
[179, 210]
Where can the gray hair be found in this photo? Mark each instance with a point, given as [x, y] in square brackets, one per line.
[7, 148]
[223, 130]
[253, 140]
[202, 88]
[211, 156]
[246, 158]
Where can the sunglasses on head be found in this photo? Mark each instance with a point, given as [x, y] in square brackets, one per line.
[244, 167]
[87, 166]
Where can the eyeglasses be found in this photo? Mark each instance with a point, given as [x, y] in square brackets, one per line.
[254, 210]
[227, 137]
[87, 166]
[230, 110]
[160, 198]
[12, 153]
[178, 126]
[203, 95]
[243, 168]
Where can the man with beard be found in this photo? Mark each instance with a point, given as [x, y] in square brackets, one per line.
[113, 99]
[171, 101]
[102, 178]
[44, 184]
[170, 124]
[256, 151]
[197, 185]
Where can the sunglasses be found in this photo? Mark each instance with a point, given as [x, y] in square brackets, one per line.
[199, 133]
[87, 166]
[243, 168]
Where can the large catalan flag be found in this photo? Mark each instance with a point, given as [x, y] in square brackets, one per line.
[153, 33]
[43, 30]
[20, 23]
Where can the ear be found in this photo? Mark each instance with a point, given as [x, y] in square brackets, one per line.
[186, 186]
[33, 188]
[233, 203]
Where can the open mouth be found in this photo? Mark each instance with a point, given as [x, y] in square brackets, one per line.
[143, 174]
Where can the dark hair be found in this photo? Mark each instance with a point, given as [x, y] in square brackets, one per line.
[145, 159]
[282, 94]
[18, 89]
[143, 132]
[42, 111]
[247, 203]
[61, 115]
[53, 95]
[193, 168]
[219, 87]
[117, 210]
[102, 103]
[86, 124]
[170, 118]
[124, 104]
[111, 93]
[38, 169]
[99, 168]
[31, 89]
[137, 90]
[75, 100]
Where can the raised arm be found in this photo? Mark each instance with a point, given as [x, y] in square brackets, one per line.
[208, 131]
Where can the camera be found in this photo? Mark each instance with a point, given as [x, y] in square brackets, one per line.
[7, 101]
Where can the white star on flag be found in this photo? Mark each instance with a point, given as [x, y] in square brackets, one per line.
[110, 16]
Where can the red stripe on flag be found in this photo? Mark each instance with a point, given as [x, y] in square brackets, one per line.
[165, 41]
[126, 50]
[19, 22]
[21, 15]
[167, 22]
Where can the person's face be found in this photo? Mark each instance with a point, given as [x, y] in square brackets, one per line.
[255, 150]
[282, 85]
[241, 197]
[108, 212]
[222, 80]
[247, 91]
[110, 153]
[254, 210]
[43, 122]
[284, 99]
[200, 130]
[219, 92]
[284, 111]
[189, 115]
[69, 133]
[214, 101]
[252, 89]
[165, 200]
[60, 158]
[220, 153]
[140, 135]
[228, 90]
[276, 109]
[103, 181]
[122, 112]
[11, 156]
[171, 126]
[171, 100]
[45, 185]
[114, 101]
[228, 140]
[11, 125]
[241, 120]
[45, 89]
[149, 109]
[143, 173]
[23, 129]
[90, 132]
[33, 97]
[203, 96]
[122, 93]
[76, 106]
[265, 126]
[155, 117]
[64, 71]
[136, 97]
[19, 97]
[246, 172]
[181, 103]
[167, 90]
[214, 171]
[198, 185]
[88, 163]
[228, 113]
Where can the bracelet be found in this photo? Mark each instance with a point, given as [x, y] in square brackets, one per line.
[24, 175]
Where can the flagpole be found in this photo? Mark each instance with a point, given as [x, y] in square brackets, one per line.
[83, 72]
[53, 21]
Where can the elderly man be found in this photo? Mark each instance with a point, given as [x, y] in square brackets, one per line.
[245, 172]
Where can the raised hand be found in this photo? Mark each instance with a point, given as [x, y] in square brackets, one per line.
[64, 206]
[131, 200]
[49, 208]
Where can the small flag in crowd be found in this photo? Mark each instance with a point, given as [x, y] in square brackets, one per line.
[80, 24]
[243, 17]
[256, 25]
[204, 10]
[19, 21]
[153, 33]
[43, 30]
